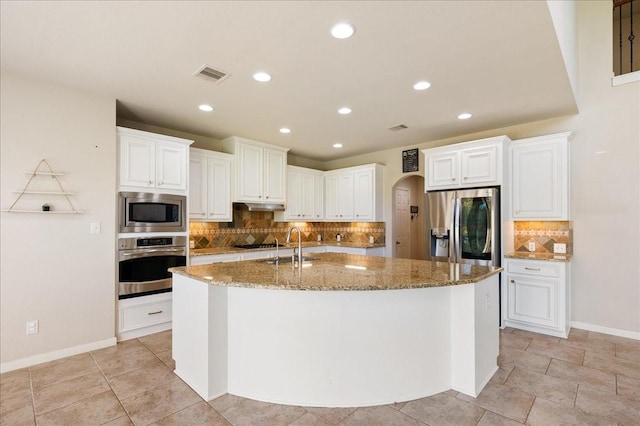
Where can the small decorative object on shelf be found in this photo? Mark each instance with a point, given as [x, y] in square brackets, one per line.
[45, 207]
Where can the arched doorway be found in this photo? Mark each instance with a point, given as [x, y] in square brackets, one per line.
[407, 234]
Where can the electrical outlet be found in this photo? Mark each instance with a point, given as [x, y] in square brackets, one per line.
[559, 248]
[192, 244]
[532, 246]
[32, 327]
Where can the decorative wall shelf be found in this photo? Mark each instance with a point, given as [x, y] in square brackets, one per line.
[61, 192]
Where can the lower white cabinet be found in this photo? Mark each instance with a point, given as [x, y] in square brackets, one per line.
[538, 296]
[372, 251]
[144, 315]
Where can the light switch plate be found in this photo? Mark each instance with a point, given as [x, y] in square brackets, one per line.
[532, 246]
[95, 227]
[559, 248]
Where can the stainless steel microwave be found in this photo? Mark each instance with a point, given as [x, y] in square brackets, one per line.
[147, 212]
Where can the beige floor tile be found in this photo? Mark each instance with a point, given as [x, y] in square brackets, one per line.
[628, 387]
[492, 419]
[557, 351]
[250, 412]
[441, 409]
[158, 342]
[95, 410]
[572, 373]
[582, 342]
[536, 336]
[59, 394]
[501, 375]
[123, 363]
[506, 330]
[21, 416]
[501, 399]
[15, 390]
[160, 402]
[63, 369]
[510, 357]
[614, 407]
[379, 416]
[612, 364]
[15, 377]
[141, 380]
[628, 352]
[120, 421]
[123, 347]
[546, 413]
[551, 388]
[515, 341]
[330, 416]
[398, 405]
[614, 339]
[199, 413]
[225, 401]
[309, 419]
[577, 333]
[167, 358]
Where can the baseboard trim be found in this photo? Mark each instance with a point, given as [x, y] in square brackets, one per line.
[606, 330]
[52, 356]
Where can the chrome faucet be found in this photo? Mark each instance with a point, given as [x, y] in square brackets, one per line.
[299, 254]
[277, 258]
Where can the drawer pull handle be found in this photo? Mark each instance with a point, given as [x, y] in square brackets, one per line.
[513, 281]
[531, 269]
[154, 313]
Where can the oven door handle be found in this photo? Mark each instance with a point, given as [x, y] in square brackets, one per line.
[138, 252]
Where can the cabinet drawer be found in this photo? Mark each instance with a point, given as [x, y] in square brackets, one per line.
[138, 316]
[540, 269]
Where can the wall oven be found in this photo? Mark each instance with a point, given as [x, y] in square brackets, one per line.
[147, 212]
[143, 264]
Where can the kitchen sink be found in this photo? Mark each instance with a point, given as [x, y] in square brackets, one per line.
[287, 259]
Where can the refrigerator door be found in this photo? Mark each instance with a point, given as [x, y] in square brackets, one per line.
[439, 230]
[478, 229]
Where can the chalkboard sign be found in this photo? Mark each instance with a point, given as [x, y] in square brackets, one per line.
[410, 160]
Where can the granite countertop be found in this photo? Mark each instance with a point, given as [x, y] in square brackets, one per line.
[227, 250]
[338, 271]
[550, 257]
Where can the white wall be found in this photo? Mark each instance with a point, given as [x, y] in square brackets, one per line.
[52, 269]
[605, 186]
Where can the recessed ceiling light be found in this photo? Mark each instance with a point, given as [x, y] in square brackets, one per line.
[337, 145]
[205, 108]
[285, 130]
[422, 85]
[261, 76]
[464, 116]
[342, 30]
[344, 110]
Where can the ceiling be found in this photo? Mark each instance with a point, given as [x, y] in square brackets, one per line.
[499, 60]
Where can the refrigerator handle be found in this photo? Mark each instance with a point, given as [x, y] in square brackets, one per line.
[454, 237]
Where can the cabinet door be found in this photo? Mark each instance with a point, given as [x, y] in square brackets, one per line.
[533, 300]
[479, 166]
[443, 170]
[219, 190]
[294, 205]
[318, 203]
[137, 162]
[307, 196]
[346, 196]
[331, 197]
[197, 186]
[275, 166]
[363, 195]
[171, 166]
[250, 173]
[539, 182]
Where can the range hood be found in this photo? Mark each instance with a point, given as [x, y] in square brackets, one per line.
[260, 207]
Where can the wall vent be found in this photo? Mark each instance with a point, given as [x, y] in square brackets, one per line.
[398, 127]
[211, 74]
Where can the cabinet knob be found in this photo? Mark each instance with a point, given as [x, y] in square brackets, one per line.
[513, 281]
[453, 178]
[150, 183]
[267, 197]
[465, 178]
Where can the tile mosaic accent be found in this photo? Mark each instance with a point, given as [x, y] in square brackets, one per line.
[544, 234]
[259, 227]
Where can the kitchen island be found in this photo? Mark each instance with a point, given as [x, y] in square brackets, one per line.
[342, 331]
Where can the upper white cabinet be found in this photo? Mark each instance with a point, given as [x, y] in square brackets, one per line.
[260, 171]
[151, 161]
[539, 174]
[354, 193]
[465, 165]
[305, 195]
[210, 186]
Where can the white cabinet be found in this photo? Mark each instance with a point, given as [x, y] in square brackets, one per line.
[539, 174]
[210, 186]
[305, 195]
[465, 165]
[260, 171]
[140, 316]
[215, 258]
[538, 296]
[354, 193]
[371, 251]
[151, 161]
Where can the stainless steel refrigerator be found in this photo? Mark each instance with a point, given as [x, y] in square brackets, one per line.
[463, 226]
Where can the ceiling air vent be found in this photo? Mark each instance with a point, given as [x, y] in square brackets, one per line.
[211, 74]
[398, 127]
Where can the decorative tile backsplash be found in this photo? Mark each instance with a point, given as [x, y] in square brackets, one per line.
[544, 234]
[259, 227]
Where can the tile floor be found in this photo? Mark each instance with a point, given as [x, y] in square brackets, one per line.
[589, 378]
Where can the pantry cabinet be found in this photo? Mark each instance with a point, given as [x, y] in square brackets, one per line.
[465, 165]
[260, 171]
[538, 296]
[354, 194]
[210, 186]
[305, 195]
[540, 179]
[150, 161]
